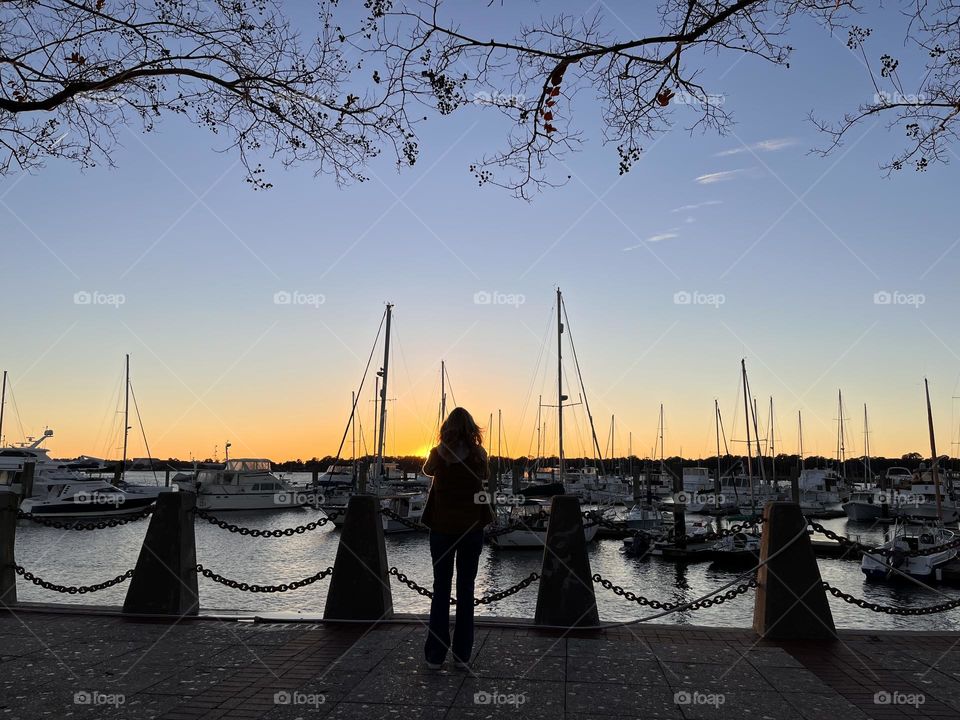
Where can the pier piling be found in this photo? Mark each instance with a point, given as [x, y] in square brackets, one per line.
[360, 585]
[791, 603]
[9, 502]
[565, 595]
[164, 581]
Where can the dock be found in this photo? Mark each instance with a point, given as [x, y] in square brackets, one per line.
[59, 664]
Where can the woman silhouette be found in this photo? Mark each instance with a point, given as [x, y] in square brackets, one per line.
[456, 512]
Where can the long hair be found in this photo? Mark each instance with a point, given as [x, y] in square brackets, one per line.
[460, 429]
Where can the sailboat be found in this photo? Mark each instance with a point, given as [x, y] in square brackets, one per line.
[531, 517]
[910, 536]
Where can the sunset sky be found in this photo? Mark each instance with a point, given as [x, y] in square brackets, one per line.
[781, 253]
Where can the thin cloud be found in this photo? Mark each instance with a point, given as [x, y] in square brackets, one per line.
[722, 176]
[697, 206]
[654, 238]
[771, 145]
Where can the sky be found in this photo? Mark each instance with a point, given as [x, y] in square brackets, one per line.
[710, 250]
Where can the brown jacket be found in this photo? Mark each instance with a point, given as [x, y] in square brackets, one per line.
[455, 504]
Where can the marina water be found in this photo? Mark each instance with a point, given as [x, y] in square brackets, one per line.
[73, 557]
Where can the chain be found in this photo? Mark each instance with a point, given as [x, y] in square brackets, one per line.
[77, 525]
[885, 552]
[245, 587]
[485, 600]
[876, 607]
[412, 524]
[279, 532]
[71, 589]
[717, 599]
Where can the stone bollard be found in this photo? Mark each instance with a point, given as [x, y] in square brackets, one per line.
[360, 585]
[791, 603]
[9, 504]
[165, 579]
[565, 596]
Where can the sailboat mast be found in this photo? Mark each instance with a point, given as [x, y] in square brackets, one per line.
[3, 401]
[841, 449]
[539, 408]
[126, 418]
[800, 428]
[866, 447]
[443, 391]
[560, 396]
[716, 422]
[746, 419]
[660, 424]
[933, 451]
[383, 392]
[773, 450]
[353, 435]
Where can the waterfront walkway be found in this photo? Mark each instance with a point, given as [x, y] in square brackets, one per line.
[92, 666]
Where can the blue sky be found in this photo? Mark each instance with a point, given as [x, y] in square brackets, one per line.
[796, 245]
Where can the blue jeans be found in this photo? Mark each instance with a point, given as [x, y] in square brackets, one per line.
[445, 551]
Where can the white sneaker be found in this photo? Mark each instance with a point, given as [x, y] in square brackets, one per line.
[461, 665]
[434, 666]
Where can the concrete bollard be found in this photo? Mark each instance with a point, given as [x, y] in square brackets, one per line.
[360, 585]
[791, 603]
[9, 503]
[565, 596]
[165, 579]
